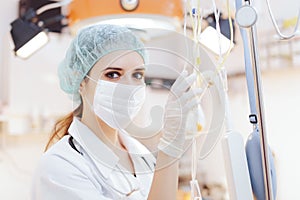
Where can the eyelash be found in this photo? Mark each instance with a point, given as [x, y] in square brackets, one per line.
[111, 74]
[136, 75]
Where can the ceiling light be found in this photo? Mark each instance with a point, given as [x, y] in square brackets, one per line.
[134, 14]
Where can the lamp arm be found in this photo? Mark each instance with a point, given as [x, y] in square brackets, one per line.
[52, 6]
[52, 20]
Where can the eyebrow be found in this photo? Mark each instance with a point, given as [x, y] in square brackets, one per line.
[113, 68]
[121, 69]
[140, 69]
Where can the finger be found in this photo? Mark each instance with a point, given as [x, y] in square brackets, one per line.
[180, 78]
[184, 85]
[192, 93]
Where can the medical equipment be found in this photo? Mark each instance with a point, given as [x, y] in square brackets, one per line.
[261, 166]
[54, 4]
[279, 33]
[232, 143]
[120, 169]
[233, 147]
[207, 80]
[30, 30]
[107, 170]
[238, 179]
[194, 115]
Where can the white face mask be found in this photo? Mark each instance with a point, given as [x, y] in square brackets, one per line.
[117, 104]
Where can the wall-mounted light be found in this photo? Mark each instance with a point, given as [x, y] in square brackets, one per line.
[29, 33]
[27, 37]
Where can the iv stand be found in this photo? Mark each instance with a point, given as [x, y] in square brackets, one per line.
[246, 17]
[261, 116]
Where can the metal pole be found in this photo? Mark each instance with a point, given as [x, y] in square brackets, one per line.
[261, 114]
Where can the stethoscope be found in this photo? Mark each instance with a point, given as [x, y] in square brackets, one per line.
[122, 193]
[132, 188]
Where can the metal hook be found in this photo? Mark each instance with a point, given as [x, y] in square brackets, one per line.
[282, 36]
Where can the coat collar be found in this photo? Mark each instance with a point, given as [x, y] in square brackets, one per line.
[132, 145]
[104, 158]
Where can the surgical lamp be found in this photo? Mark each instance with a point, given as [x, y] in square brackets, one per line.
[142, 16]
[27, 36]
[29, 33]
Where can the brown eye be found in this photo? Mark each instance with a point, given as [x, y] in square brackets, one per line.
[113, 75]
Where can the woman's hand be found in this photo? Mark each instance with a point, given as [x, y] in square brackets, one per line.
[181, 100]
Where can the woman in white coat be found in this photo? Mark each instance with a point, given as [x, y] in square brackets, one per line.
[90, 155]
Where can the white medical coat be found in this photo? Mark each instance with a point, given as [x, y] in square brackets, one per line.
[95, 172]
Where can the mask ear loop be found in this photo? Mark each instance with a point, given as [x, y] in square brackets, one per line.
[87, 76]
[84, 96]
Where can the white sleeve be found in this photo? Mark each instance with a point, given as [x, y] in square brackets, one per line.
[58, 179]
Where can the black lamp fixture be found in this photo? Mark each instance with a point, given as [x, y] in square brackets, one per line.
[29, 31]
[27, 36]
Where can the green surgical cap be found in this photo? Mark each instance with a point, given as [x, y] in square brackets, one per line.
[89, 45]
